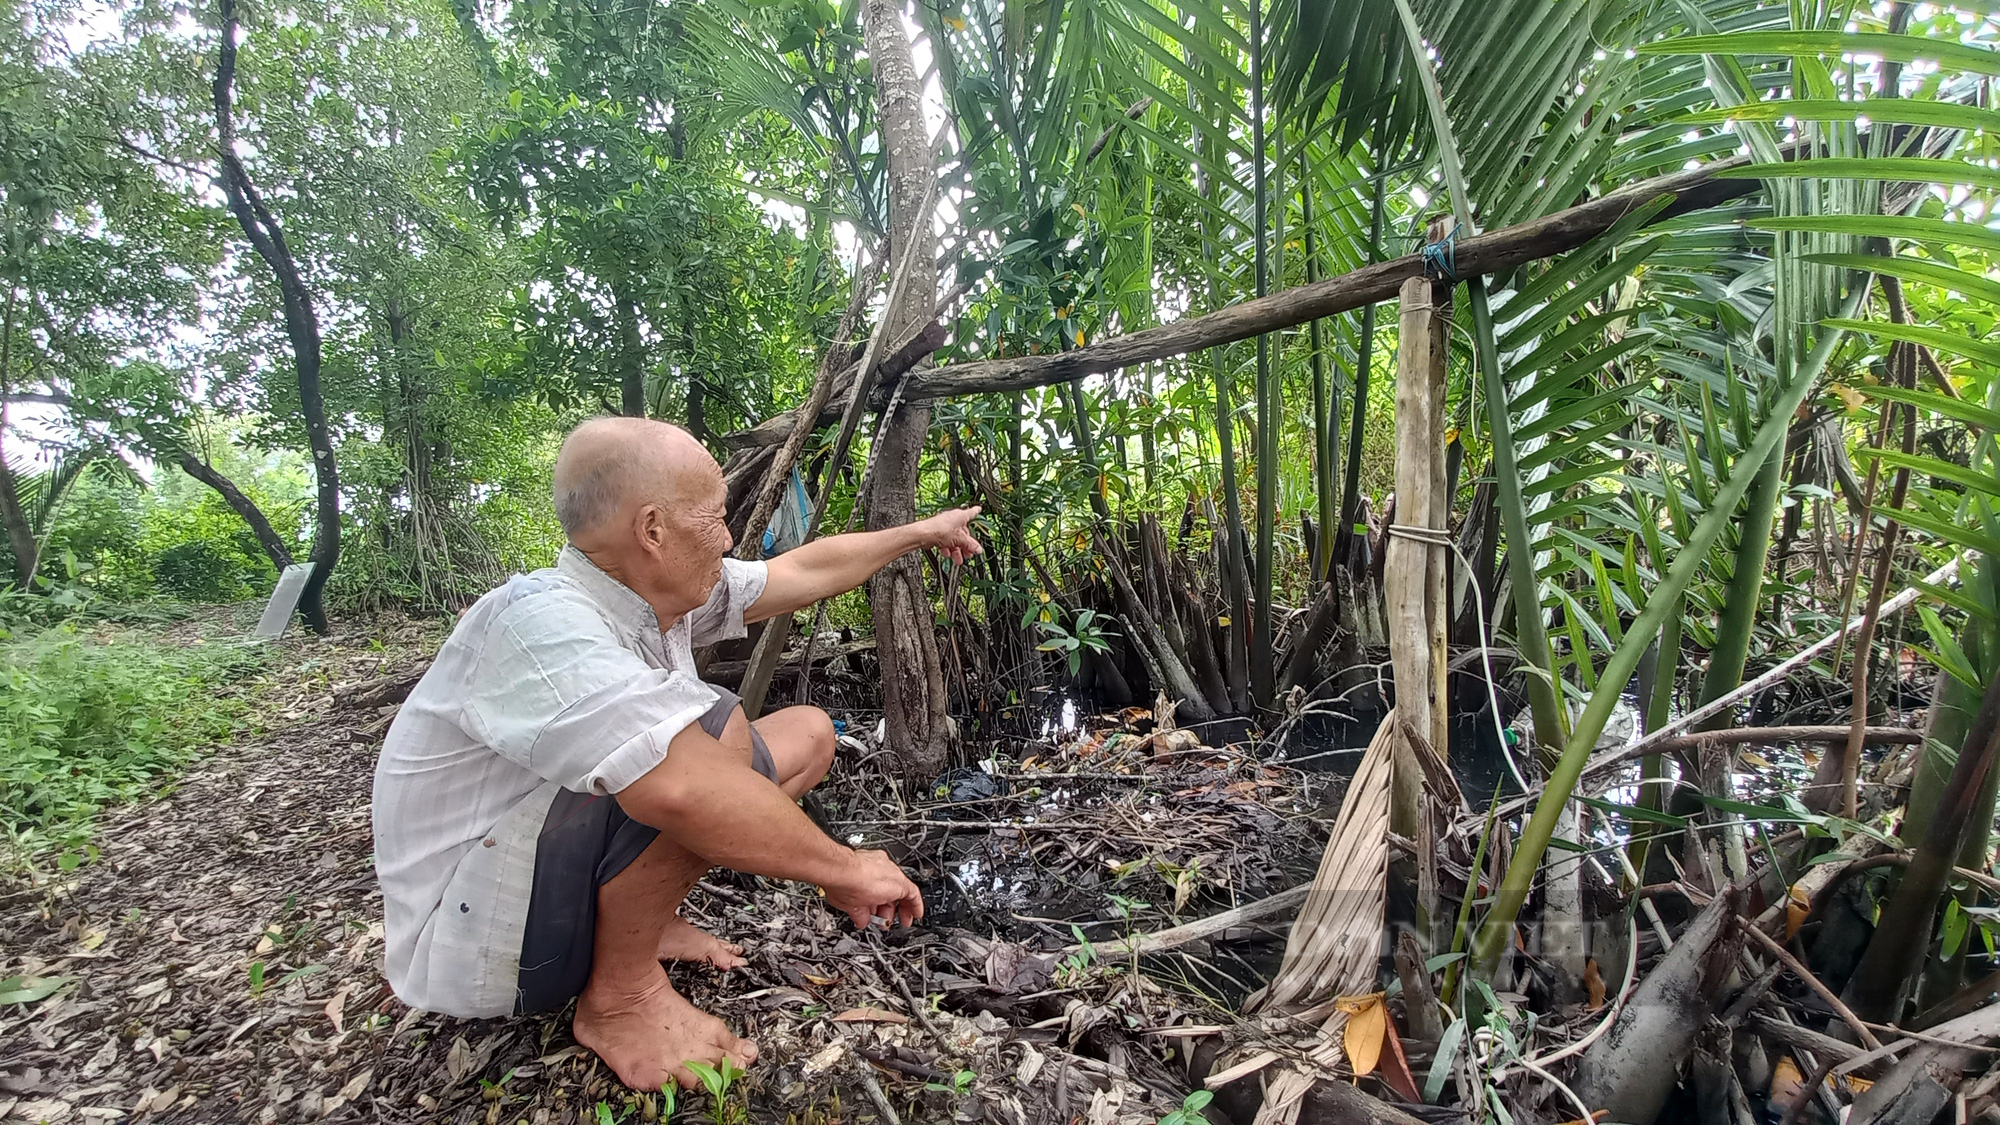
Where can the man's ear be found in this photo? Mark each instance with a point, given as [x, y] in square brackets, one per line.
[650, 526]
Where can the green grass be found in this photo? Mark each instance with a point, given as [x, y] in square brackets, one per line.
[90, 719]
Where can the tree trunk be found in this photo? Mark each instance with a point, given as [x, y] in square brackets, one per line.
[913, 696]
[267, 536]
[20, 531]
[631, 352]
[260, 226]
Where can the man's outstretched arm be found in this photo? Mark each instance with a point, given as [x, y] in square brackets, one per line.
[706, 798]
[828, 567]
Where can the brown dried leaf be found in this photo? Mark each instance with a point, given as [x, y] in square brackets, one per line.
[869, 1015]
[1593, 982]
[1798, 907]
[1396, 1066]
[1362, 1038]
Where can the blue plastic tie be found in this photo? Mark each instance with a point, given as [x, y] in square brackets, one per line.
[1441, 257]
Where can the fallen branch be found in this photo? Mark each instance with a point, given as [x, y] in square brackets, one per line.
[726, 669]
[1745, 736]
[386, 691]
[1805, 1039]
[777, 429]
[1634, 1067]
[1846, 1014]
[1650, 742]
[1203, 928]
[1595, 769]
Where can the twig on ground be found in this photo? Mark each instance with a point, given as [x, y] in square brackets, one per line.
[876, 1095]
[918, 1010]
[1846, 1014]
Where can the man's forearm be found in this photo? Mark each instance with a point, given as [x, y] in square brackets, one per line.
[731, 816]
[829, 567]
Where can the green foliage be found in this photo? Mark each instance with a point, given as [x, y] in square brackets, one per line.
[87, 720]
[961, 1082]
[200, 571]
[1190, 1111]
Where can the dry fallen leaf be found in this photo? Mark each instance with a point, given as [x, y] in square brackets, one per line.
[1593, 982]
[1797, 907]
[1757, 760]
[356, 1085]
[1362, 1039]
[869, 1015]
[1396, 1066]
[458, 1060]
[335, 1007]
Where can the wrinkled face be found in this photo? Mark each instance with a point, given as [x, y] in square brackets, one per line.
[685, 539]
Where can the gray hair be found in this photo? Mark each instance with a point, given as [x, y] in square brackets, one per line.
[602, 461]
[589, 500]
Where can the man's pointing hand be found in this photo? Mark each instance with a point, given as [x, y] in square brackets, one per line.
[948, 533]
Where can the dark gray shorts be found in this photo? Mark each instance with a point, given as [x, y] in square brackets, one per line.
[585, 841]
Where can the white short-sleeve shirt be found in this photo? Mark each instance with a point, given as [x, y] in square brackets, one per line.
[560, 679]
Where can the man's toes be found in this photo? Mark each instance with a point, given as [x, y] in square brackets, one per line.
[742, 1052]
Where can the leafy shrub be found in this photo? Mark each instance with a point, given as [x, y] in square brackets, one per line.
[86, 721]
[199, 570]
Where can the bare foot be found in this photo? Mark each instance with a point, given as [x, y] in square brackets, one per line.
[645, 1037]
[684, 941]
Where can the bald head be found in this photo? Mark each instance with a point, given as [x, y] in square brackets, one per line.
[610, 466]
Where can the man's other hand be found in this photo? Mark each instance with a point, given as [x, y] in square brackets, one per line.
[948, 533]
[877, 888]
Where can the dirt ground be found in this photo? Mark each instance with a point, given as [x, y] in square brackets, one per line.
[222, 953]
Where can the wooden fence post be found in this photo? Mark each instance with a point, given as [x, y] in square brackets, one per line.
[1413, 570]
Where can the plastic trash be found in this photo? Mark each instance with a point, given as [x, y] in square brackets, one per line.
[788, 523]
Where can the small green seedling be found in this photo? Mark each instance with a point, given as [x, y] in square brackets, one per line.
[1083, 958]
[256, 979]
[1190, 1111]
[961, 1081]
[717, 1080]
[492, 1091]
[604, 1116]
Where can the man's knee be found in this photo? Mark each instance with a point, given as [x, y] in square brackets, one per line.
[823, 741]
[802, 742]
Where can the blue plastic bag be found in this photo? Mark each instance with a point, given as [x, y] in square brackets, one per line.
[788, 523]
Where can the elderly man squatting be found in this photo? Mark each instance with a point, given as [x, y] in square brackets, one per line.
[560, 778]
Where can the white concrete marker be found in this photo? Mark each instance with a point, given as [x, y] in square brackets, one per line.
[284, 602]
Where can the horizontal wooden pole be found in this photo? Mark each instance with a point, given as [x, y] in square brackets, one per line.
[1494, 252]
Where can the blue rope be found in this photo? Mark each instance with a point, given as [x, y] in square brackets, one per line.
[1441, 257]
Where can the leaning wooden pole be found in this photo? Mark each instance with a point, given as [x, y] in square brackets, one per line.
[1695, 189]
